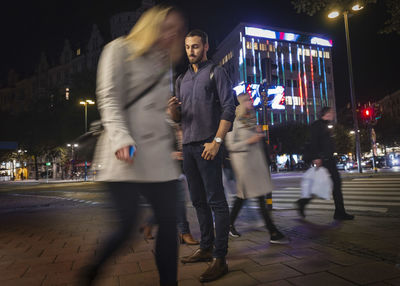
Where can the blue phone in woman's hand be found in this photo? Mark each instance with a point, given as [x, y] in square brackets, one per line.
[131, 151]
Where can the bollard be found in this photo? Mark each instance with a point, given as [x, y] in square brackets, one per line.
[269, 201]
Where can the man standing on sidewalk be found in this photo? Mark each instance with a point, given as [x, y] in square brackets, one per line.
[205, 106]
[321, 152]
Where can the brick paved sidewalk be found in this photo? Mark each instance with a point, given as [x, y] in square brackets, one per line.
[48, 247]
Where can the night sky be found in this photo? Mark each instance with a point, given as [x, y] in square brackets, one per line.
[31, 27]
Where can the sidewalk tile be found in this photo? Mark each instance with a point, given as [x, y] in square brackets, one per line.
[140, 279]
[302, 252]
[367, 273]
[147, 264]
[276, 283]
[394, 282]
[61, 278]
[310, 265]
[28, 281]
[271, 258]
[12, 272]
[319, 279]
[274, 272]
[234, 278]
[191, 270]
[49, 268]
[121, 269]
[190, 282]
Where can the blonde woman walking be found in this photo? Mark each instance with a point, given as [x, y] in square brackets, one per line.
[250, 167]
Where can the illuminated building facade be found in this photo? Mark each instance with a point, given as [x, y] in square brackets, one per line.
[292, 69]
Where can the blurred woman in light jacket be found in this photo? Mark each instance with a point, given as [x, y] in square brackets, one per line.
[127, 67]
[249, 164]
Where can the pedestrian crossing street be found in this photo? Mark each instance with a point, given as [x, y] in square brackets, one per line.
[360, 194]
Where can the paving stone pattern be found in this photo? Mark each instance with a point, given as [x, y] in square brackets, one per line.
[50, 247]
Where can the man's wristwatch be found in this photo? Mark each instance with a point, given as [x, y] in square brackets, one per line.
[218, 140]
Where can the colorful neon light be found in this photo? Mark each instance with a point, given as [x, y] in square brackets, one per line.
[326, 87]
[320, 83]
[277, 61]
[291, 89]
[253, 53]
[321, 42]
[262, 33]
[305, 84]
[299, 79]
[244, 59]
[312, 84]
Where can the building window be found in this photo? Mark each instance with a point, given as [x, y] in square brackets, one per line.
[314, 53]
[255, 45]
[326, 55]
[320, 54]
[271, 48]
[263, 47]
[248, 45]
[307, 52]
[299, 52]
[78, 52]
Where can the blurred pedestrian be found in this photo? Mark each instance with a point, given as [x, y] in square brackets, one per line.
[138, 65]
[185, 236]
[321, 150]
[250, 166]
[205, 106]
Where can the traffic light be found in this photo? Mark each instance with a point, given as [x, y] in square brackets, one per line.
[367, 113]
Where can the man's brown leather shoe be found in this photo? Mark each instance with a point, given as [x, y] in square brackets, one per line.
[217, 269]
[188, 239]
[200, 255]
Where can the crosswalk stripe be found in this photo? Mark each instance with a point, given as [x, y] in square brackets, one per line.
[377, 179]
[354, 189]
[332, 207]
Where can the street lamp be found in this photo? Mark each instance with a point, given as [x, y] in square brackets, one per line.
[85, 103]
[332, 15]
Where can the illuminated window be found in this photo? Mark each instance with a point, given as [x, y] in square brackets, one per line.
[271, 48]
[314, 53]
[78, 52]
[248, 45]
[299, 52]
[255, 45]
[263, 47]
[320, 54]
[307, 52]
[326, 55]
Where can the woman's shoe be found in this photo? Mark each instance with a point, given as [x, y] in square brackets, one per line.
[233, 232]
[188, 239]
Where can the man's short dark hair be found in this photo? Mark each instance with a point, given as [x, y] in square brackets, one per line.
[324, 111]
[199, 33]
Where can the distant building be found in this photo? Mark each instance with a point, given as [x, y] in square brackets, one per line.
[390, 105]
[49, 80]
[296, 68]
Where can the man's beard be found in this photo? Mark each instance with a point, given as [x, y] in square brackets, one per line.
[196, 60]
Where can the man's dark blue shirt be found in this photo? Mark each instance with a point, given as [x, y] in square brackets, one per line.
[202, 106]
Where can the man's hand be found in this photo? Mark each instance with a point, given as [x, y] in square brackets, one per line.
[210, 150]
[255, 138]
[123, 155]
[317, 163]
[173, 105]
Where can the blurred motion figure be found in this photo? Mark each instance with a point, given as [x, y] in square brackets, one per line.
[127, 67]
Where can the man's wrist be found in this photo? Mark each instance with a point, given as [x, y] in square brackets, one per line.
[218, 140]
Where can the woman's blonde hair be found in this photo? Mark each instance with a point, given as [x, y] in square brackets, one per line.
[146, 31]
[241, 110]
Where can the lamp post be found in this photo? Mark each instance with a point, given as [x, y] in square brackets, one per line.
[85, 103]
[332, 15]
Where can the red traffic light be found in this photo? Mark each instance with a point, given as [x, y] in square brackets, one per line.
[367, 112]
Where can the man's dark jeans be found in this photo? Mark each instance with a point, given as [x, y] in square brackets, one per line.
[330, 165]
[207, 193]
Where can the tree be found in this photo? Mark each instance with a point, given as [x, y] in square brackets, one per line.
[343, 140]
[311, 7]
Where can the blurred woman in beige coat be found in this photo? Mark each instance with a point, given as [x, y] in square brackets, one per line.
[249, 164]
[128, 66]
